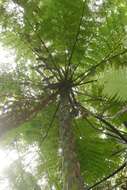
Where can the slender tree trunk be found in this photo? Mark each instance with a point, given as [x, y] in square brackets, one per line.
[71, 168]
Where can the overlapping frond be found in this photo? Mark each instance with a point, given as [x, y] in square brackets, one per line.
[114, 81]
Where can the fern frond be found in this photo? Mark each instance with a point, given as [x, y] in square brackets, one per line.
[91, 151]
[114, 82]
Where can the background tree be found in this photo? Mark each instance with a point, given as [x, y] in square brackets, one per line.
[60, 92]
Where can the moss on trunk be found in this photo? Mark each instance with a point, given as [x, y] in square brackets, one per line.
[71, 168]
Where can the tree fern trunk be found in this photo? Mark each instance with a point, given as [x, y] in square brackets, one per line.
[71, 167]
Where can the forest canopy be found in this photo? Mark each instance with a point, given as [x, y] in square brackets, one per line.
[63, 94]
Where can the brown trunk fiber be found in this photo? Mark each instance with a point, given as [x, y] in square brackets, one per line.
[71, 168]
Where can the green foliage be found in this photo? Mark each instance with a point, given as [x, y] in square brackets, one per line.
[114, 82]
[65, 42]
[95, 152]
[47, 149]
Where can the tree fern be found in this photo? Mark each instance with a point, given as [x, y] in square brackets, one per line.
[61, 46]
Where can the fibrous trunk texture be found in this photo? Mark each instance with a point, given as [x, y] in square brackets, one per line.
[71, 168]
